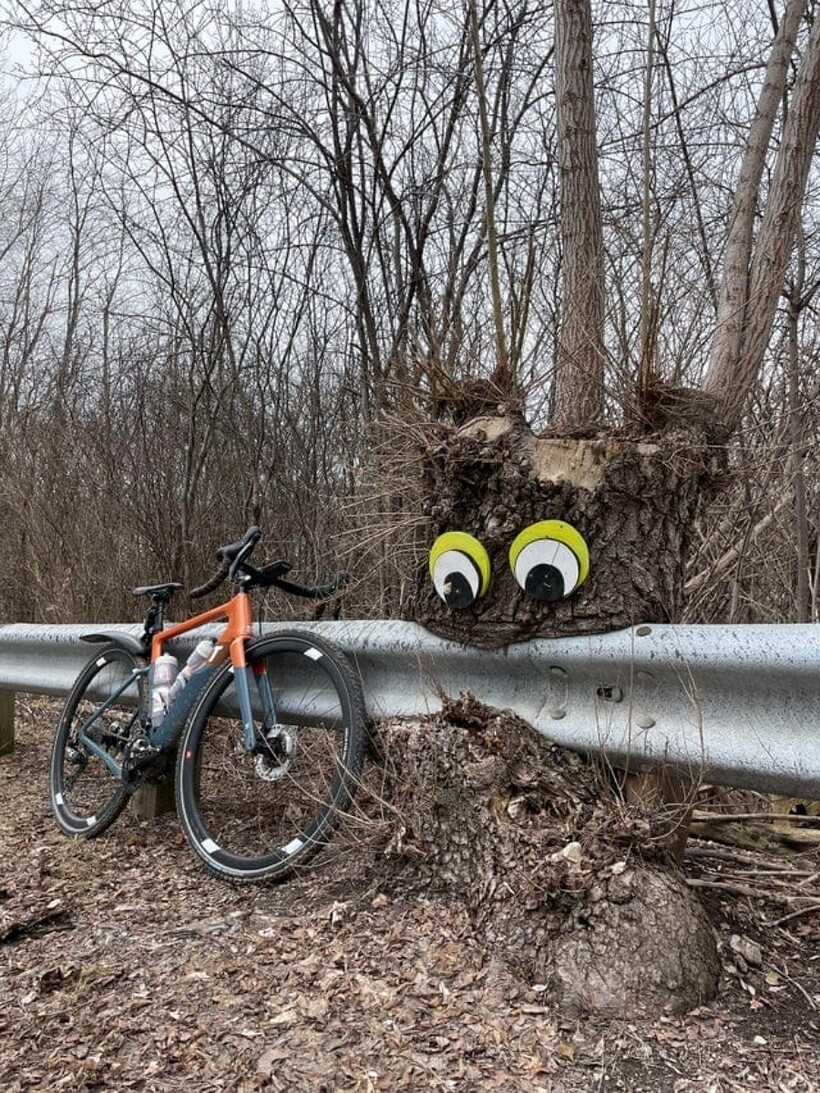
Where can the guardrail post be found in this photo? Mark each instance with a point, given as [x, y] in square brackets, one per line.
[153, 799]
[6, 721]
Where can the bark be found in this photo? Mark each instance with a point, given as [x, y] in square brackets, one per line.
[753, 276]
[564, 882]
[503, 374]
[732, 301]
[633, 502]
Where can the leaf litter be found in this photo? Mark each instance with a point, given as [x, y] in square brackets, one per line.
[124, 966]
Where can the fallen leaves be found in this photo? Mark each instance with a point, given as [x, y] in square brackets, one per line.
[124, 966]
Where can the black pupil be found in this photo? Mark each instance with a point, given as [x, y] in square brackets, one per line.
[545, 582]
[459, 593]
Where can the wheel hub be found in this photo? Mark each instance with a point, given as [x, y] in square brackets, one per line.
[274, 754]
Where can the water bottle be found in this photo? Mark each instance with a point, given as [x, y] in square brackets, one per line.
[165, 670]
[199, 657]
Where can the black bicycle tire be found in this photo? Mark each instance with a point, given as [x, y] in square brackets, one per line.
[280, 861]
[69, 822]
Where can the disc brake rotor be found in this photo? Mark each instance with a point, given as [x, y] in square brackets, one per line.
[274, 756]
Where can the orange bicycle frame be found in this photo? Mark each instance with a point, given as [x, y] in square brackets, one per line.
[231, 641]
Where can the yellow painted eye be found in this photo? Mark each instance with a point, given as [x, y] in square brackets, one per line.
[549, 560]
[460, 568]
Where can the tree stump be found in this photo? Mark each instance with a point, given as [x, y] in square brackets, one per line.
[633, 501]
[563, 881]
[569, 882]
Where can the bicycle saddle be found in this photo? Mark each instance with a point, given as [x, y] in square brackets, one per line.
[158, 591]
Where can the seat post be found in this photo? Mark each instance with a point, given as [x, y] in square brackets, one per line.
[160, 596]
[155, 618]
[158, 610]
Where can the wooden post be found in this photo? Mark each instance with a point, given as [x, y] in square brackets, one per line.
[154, 798]
[6, 722]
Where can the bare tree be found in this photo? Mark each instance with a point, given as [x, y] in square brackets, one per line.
[755, 269]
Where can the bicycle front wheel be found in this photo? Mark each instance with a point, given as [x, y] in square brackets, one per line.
[102, 714]
[256, 813]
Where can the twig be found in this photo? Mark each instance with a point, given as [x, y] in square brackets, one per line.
[738, 817]
[792, 915]
[808, 876]
[738, 889]
[794, 983]
[757, 893]
[695, 849]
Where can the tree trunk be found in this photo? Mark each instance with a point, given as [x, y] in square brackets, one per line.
[523, 834]
[565, 883]
[526, 833]
[578, 389]
[753, 277]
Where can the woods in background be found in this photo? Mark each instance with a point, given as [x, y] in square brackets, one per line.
[245, 255]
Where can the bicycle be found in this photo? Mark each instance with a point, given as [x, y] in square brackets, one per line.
[270, 732]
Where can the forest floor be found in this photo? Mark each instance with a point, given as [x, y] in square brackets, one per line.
[123, 965]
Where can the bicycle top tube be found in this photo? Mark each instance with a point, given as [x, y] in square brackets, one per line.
[231, 640]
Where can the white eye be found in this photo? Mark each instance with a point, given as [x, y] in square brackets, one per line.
[459, 568]
[549, 560]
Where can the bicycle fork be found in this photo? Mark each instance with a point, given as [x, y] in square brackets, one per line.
[274, 746]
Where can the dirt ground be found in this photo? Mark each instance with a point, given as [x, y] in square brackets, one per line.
[123, 965]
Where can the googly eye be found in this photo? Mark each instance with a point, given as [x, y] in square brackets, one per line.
[549, 560]
[459, 568]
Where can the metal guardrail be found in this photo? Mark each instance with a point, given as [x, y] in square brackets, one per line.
[737, 704]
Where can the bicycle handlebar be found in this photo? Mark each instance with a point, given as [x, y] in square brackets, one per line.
[319, 592]
[210, 585]
[234, 552]
[229, 558]
[232, 559]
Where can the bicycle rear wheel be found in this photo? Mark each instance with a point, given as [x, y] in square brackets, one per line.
[103, 709]
[256, 815]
